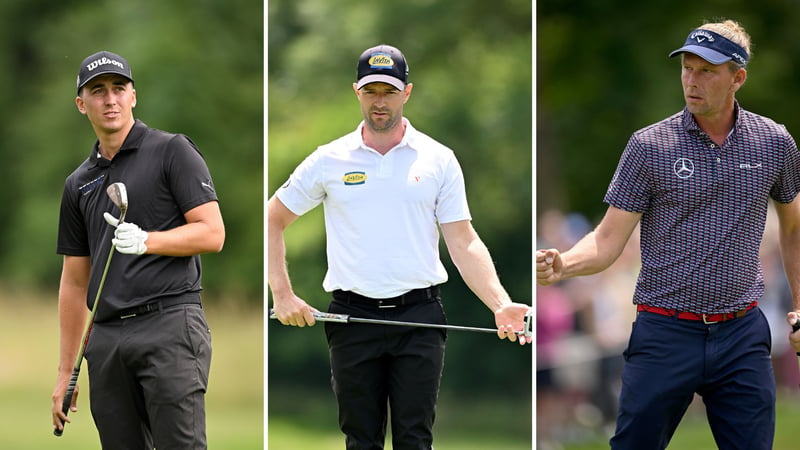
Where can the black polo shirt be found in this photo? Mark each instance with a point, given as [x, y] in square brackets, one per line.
[165, 176]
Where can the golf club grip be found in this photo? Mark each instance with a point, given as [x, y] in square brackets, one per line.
[73, 381]
[321, 316]
[796, 327]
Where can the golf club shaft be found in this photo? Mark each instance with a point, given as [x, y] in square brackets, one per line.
[76, 368]
[796, 327]
[344, 318]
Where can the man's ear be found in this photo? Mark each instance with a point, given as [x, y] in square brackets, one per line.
[80, 104]
[739, 78]
[407, 91]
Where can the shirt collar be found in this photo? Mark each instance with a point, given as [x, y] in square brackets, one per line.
[131, 142]
[690, 124]
[409, 137]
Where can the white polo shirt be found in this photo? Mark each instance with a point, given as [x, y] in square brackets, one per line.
[381, 211]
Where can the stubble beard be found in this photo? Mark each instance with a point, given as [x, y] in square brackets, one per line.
[383, 126]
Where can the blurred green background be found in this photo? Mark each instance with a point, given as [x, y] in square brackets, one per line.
[603, 72]
[471, 65]
[198, 66]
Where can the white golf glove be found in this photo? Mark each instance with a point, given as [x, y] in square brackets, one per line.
[128, 237]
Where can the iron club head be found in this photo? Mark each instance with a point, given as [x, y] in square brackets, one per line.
[119, 195]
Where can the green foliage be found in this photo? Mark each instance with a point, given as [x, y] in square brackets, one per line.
[198, 67]
[471, 65]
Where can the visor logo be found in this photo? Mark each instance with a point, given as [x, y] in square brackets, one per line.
[701, 36]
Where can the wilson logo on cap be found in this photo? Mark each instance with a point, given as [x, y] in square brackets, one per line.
[381, 61]
[353, 178]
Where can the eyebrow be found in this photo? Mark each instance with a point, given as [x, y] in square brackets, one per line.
[116, 82]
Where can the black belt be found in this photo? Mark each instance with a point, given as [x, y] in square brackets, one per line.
[147, 308]
[409, 298]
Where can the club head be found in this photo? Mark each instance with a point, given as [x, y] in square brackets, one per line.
[119, 195]
[528, 331]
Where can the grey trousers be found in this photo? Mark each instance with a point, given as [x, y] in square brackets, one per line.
[148, 377]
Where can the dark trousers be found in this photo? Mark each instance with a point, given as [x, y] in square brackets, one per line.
[668, 360]
[378, 366]
[148, 376]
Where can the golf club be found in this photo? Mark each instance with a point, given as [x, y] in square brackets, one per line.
[796, 327]
[345, 318]
[119, 196]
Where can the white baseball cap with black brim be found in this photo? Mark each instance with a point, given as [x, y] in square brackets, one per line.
[713, 47]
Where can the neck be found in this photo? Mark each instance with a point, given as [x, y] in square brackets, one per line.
[111, 141]
[385, 140]
[718, 126]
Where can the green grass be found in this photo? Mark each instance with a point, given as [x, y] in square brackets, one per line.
[693, 432]
[307, 420]
[29, 357]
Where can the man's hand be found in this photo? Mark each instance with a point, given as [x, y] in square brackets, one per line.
[510, 319]
[128, 237]
[293, 310]
[548, 266]
[794, 338]
[58, 402]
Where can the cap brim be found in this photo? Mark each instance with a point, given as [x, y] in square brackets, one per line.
[388, 79]
[105, 72]
[712, 56]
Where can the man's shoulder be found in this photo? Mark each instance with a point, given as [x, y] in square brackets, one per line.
[421, 141]
[669, 124]
[751, 119]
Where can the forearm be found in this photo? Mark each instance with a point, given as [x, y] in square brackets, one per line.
[474, 264]
[790, 244]
[589, 256]
[186, 240]
[72, 316]
[277, 271]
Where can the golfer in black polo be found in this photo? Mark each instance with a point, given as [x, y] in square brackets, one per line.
[149, 351]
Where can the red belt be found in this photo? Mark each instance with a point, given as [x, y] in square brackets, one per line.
[706, 318]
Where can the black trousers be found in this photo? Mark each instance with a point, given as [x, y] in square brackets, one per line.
[147, 378]
[378, 366]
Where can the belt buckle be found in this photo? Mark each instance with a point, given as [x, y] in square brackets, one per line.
[381, 305]
[709, 322]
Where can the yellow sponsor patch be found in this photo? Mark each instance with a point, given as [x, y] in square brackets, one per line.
[351, 178]
[381, 61]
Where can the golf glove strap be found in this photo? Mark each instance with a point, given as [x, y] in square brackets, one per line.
[128, 237]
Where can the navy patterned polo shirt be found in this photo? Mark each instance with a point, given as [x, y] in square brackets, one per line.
[704, 208]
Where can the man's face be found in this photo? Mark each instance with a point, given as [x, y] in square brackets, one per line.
[108, 102]
[708, 88]
[382, 105]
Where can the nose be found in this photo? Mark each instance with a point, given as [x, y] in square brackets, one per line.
[380, 98]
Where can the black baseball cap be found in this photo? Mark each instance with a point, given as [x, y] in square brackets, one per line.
[102, 63]
[382, 64]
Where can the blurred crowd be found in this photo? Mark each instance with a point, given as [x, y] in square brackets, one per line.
[583, 325]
